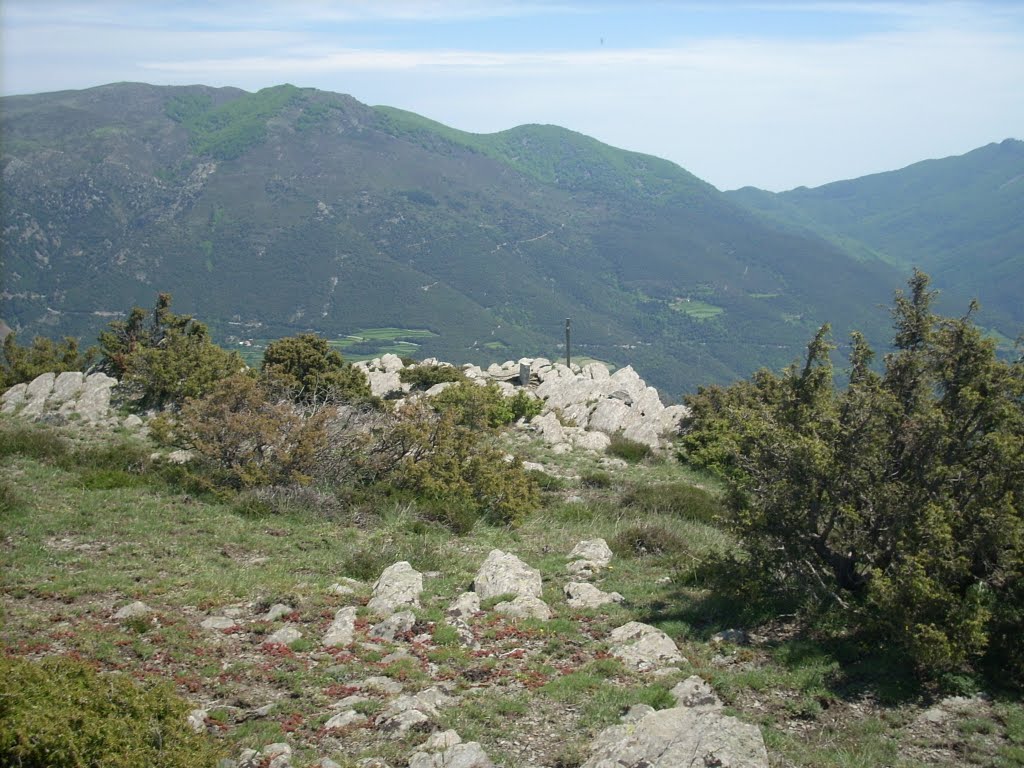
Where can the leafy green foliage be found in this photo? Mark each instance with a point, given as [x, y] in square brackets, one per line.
[479, 407]
[899, 498]
[166, 359]
[59, 711]
[439, 458]
[43, 355]
[311, 371]
[228, 131]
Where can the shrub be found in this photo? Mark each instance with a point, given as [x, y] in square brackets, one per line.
[628, 450]
[647, 539]
[475, 406]
[249, 441]
[426, 376]
[19, 364]
[898, 499]
[678, 499]
[18, 439]
[597, 478]
[440, 459]
[166, 360]
[61, 712]
[311, 371]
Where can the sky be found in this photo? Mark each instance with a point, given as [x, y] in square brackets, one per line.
[774, 94]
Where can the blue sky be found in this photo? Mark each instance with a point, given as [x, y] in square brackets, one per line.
[774, 94]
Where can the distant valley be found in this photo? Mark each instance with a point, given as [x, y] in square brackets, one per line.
[291, 209]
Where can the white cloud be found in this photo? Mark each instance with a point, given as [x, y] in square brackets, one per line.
[775, 112]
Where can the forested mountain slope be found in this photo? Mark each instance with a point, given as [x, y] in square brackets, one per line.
[960, 218]
[290, 209]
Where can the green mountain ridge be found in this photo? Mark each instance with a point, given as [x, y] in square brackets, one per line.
[958, 218]
[294, 209]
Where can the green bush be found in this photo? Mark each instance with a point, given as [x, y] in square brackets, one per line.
[166, 359]
[60, 712]
[678, 499]
[19, 364]
[480, 407]
[426, 376]
[19, 439]
[897, 502]
[439, 459]
[312, 372]
[628, 450]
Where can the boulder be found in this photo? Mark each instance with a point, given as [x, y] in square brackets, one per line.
[13, 398]
[506, 574]
[399, 586]
[342, 630]
[643, 647]
[680, 736]
[468, 755]
[594, 551]
[524, 607]
[407, 712]
[581, 595]
[66, 387]
[285, 636]
[394, 625]
[391, 363]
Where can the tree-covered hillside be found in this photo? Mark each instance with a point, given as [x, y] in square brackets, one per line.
[959, 218]
[293, 209]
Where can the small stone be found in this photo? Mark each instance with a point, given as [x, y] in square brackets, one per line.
[132, 610]
[219, 623]
[380, 684]
[637, 712]
[344, 719]
[284, 636]
[393, 626]
[582, 595]
[464, 606]
[277, 611]
[342, 630]
[346, 586]
[694, 692]
[525, 607]
[734, 636]
[197, 720]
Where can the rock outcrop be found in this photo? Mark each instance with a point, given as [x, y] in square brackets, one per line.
[693, 734]
[62, 398]
[398, 587]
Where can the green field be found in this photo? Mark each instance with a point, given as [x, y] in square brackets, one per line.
[364, 344]
[698, 310]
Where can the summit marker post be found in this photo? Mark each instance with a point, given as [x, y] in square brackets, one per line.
[568, 357]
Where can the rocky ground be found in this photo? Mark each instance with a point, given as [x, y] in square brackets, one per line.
[311, 635]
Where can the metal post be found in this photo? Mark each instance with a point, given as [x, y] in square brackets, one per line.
[568, 356]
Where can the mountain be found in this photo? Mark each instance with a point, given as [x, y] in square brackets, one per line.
[961, 219]
[295, 209]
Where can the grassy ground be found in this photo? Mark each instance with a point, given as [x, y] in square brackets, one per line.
[87, 527]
